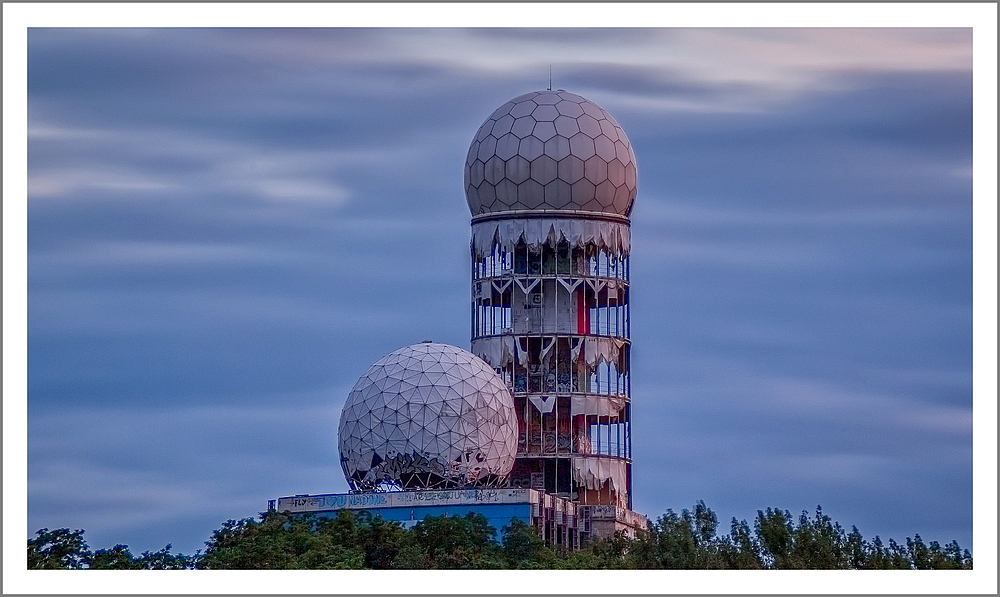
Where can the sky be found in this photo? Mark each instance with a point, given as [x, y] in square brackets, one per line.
[226, 227]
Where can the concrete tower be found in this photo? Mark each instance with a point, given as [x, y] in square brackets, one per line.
[550, 179]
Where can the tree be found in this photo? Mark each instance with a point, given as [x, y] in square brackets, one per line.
[522, 548]
[60, 549]
[858, 552]
[381, 542]
[819, 543]
[117, 558]
[677, 542]
[162, 560]
[932, 557]
[741, 552]
[960, 557]
[773, 530]
[451, 542]
[285, 541]
[304, 541]
[688, 541]
[611, 553]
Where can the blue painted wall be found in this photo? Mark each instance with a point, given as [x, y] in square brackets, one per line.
[498, 515]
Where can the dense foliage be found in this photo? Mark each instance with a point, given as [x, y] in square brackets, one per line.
[688, 540]
[63, 549]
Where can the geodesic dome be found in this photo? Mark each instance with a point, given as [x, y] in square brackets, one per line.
[428, 416]
[550, 150]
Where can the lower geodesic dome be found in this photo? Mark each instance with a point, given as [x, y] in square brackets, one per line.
[428, 416]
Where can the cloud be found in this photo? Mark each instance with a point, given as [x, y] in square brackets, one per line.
[63, 182]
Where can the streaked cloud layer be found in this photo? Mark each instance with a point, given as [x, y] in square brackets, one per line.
[227, 226]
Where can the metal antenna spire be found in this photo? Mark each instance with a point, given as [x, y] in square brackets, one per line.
[550, 77]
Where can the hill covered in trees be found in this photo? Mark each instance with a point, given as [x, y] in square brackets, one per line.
[686, 540]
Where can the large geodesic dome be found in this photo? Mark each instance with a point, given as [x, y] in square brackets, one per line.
[551, 150]
[428, 416]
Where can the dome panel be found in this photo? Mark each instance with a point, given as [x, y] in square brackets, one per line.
[547, 98]
[557, 147]
[558, 193]
[616, 172]
[487, 147]
[566, 126]
[572, 97]
[473, 154]
[522, 126]
[507, 146]
[523, 108]
[544, 169]
[494, 170]
[596, 170]
[530, 148]
[621, 195]
[518, 169]
[605, 148]
[530, 194]
[487, 196]
[472, 194]
[589, 125]
[476, 173]
[580, 145]
[506, 192]
[605, 194]
[583, 191]
[623, 153]
[548, 113]
[502, 126]
[544, 131]
[485, 130]
[593, 110]
[593, 204]
[571, 169]
[609, 129]
[502, 110]
[569, 108]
